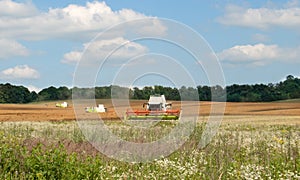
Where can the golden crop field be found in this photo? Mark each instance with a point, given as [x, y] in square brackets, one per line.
[271, 113]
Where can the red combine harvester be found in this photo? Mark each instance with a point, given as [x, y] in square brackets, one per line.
[156, 109]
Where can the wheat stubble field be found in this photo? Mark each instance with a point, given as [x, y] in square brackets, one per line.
[271, 113]
[254, 141]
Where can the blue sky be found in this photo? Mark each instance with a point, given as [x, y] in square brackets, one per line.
[41, 41]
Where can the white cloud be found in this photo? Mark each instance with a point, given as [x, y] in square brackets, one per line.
[20, 72]
[14, 9]
[71, 22]
[292, 3]
[98, 50]
[259, 54]
[32, 88]
[9, 48]
[261, 17]
[250, 52]
[72, 57]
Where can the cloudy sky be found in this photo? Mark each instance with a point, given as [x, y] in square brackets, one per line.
[42, 41]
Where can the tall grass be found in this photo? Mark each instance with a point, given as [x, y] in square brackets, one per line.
[237, 152]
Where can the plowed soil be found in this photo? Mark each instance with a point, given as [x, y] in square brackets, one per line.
[48, 111]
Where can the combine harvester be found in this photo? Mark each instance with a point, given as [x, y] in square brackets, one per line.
[62, 105]
[156, 109]
[99, 109]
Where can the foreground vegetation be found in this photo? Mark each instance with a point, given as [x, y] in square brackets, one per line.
[43, 150]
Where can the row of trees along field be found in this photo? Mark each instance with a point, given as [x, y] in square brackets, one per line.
[287, 89]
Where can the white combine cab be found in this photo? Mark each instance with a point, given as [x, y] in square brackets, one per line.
[62, 105]
[99, 109]
[157, 103]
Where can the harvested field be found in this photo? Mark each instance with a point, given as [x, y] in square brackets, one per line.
[48, 111]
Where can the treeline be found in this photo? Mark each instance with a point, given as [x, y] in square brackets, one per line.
[16, 94]
[287, 89]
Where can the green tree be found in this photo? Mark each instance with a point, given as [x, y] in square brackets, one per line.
[63, 93]
[15, 94]
[137, 93]
[50, 93]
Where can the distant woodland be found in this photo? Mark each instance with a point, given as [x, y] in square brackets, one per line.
[284, 90]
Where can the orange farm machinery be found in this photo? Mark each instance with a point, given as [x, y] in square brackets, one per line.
[155, 109]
